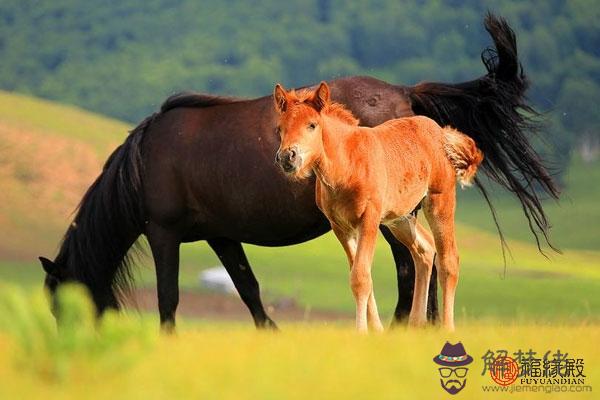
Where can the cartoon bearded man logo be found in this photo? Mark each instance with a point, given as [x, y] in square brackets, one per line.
[453, 373]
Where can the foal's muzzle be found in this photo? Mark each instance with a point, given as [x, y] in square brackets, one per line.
[289, 159]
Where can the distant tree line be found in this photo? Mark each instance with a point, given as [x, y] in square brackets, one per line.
[122, 58]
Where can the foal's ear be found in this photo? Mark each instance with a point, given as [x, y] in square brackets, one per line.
[280, 97]
[321, 96]
[48, 266]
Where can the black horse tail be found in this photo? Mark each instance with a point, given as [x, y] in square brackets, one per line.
[493, 110]
[109, 219]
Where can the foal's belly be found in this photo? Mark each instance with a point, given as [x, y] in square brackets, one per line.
[403, 202]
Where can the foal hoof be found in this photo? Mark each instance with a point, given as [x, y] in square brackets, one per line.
[417, 323]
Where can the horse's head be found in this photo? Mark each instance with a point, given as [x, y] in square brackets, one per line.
[300, 128]
[56, 274]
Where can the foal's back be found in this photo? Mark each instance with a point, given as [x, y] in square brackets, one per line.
[411, 152]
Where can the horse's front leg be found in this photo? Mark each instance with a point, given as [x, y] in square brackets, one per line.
[164, 244]
[231, 254]
[361, 281]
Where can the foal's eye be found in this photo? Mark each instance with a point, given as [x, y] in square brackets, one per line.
[278, 130]
[312, 126]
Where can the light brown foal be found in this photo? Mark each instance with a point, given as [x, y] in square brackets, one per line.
[372, 176]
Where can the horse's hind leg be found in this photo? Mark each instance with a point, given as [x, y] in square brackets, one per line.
[231, 254]
[439, 210]
[164, 244]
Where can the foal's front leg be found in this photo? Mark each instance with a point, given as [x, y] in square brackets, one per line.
[360, 275]
[349, 243]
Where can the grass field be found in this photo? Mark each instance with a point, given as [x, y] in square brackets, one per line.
[125, 358]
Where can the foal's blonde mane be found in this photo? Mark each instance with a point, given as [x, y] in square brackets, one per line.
[331, 109]
[338, 111]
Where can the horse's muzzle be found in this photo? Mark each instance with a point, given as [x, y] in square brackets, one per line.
[289, 159]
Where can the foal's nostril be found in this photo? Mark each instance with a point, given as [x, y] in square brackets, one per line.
[292, 154]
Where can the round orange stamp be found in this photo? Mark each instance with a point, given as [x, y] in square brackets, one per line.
[504, 371]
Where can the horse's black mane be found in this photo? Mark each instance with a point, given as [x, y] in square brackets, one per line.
[96, 248]
[193, 99]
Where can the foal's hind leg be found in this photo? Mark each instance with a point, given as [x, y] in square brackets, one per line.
[420, 244]
[164, 244]
[405, 275]
[231, 254]
[439, 210]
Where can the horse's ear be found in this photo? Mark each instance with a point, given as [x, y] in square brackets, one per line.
[280, 97]
[321, 96]
[48, 266]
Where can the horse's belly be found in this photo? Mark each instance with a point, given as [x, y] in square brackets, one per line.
[273, 221]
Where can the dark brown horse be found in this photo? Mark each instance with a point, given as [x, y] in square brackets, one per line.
[203, 169]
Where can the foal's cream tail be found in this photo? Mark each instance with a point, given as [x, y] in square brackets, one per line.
[463, 153]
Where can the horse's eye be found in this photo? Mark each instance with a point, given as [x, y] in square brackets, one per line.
[312, 126]
[278, 130]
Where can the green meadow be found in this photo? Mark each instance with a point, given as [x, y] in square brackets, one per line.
[124, 357]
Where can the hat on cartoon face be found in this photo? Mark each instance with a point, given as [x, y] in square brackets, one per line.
[453, 355]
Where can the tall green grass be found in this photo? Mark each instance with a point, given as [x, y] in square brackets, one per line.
[52, 349]
[122, 357]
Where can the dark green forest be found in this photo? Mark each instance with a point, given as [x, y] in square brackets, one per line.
[122, 58]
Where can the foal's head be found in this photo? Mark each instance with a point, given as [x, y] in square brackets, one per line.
[300, 128]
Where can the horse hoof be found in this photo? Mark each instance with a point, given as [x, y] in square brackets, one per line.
[268, 324]
[167, 328]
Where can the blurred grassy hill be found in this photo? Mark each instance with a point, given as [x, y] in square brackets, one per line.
[50, 154]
